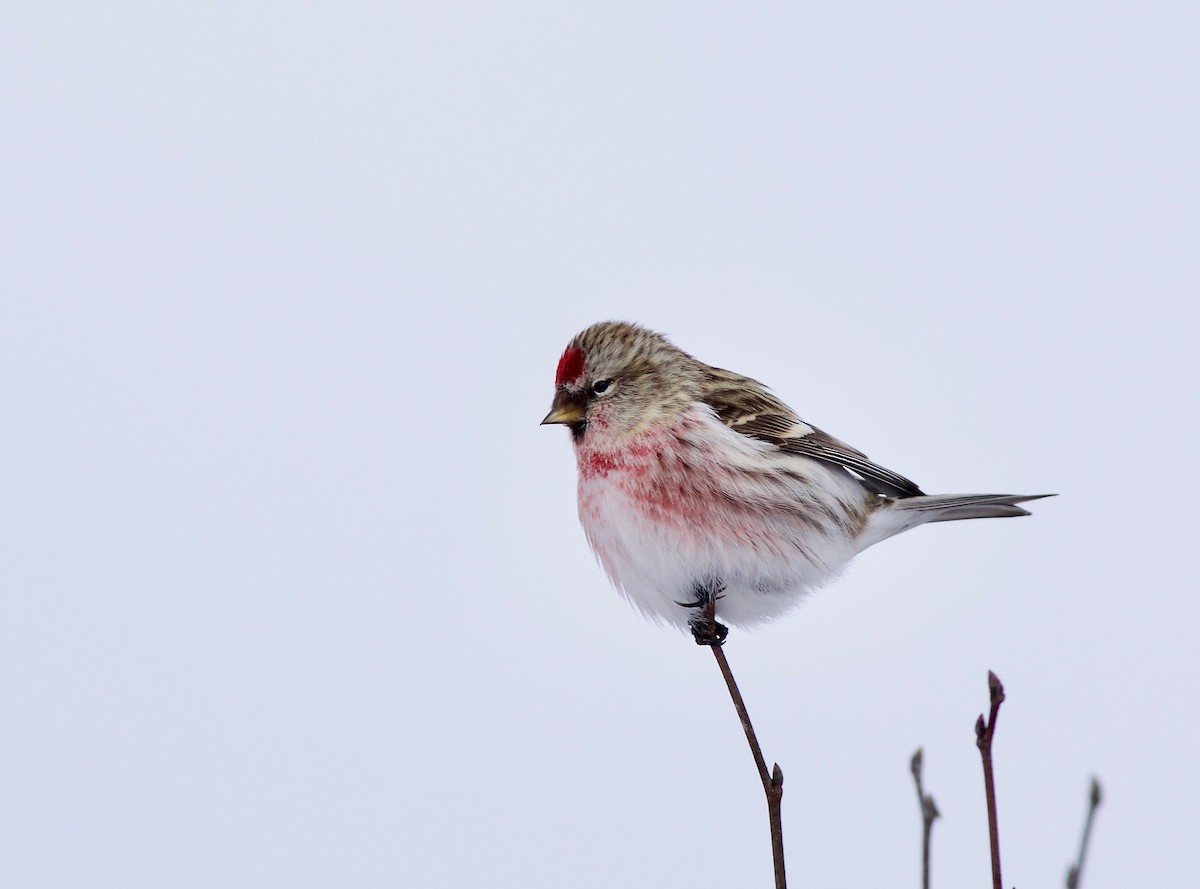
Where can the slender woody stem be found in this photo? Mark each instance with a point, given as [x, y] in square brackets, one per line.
[983, 740]
[772, 781]
[929, 813]
[1075, 874]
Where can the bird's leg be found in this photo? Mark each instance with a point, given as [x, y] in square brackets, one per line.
[705, 627]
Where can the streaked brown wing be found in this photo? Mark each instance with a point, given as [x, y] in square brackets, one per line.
[747, 407]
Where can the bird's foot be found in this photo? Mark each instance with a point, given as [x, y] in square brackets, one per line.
[707, 593]
[707, 630]
[705, 627]
[703, 599]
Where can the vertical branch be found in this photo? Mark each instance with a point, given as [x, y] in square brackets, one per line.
[983, 740]
[929, 813]
[772, 781]
[1075, 874]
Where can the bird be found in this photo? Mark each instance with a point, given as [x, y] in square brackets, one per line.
[706, 499]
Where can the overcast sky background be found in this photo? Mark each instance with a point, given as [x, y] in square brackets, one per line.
[292, 591]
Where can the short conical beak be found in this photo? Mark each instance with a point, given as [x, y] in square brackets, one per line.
[565, 410]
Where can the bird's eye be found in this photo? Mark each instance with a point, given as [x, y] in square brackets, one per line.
[601, 386]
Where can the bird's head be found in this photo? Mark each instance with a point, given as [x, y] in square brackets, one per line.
[616, 379]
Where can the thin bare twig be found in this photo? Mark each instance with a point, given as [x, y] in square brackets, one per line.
[929, 812]
[706, 630]
[983, 740]
[1075, 874]
[772, 781]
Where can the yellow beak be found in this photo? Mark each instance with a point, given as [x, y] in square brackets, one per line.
[566, 409]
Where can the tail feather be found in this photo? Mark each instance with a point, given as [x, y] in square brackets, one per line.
[900, 515]
[954, 507]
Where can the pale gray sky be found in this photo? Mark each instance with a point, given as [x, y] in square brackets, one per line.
[292, 591]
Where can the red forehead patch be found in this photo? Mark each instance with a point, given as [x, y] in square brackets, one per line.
[570, 366]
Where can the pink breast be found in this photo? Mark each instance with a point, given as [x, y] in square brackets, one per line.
[665, 479]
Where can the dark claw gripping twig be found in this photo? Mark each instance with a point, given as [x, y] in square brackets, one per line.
[706, 629]
[708, 632]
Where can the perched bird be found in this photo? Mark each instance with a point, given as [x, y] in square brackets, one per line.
[706, 498]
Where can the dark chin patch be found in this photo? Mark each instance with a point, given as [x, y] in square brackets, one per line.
[577, 429]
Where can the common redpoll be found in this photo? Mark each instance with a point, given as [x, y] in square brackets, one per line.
[704, 496]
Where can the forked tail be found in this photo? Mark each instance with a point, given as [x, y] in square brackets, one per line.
[952, 507]
[909, 512]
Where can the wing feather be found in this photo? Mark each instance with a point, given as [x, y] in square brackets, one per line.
[747, 407]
